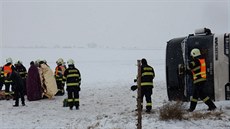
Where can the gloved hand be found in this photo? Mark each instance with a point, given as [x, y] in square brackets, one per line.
[78, 88]
[133, 87]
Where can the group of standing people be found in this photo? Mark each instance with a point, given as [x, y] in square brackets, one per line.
[14, 79]
[40, 81]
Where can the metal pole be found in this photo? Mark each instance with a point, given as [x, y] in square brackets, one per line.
[139, 99]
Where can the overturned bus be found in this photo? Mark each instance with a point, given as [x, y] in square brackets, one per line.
[215, 49]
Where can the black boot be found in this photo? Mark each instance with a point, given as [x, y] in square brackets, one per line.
[148, 109]
[15, 105]
[211, 105]
[7, 97]
[192, 106]
[71, 107]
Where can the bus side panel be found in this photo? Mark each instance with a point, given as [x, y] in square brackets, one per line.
[175, 84]
[221, 66]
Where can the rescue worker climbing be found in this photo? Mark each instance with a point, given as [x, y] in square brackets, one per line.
[59, 72]
[147, 76]
[198, 69]
[21, 69]
[8, 68]
[72, 77]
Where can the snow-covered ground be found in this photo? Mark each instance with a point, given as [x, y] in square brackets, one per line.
[106, 101]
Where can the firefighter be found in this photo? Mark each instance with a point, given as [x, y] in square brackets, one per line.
[18, 87]
[198, 69]
[21, 69]
[147, 76]
[72, 77]
[1, 78]
[7, 68]
[59, 72]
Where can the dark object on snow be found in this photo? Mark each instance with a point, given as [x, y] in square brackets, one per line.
[33, 83]
[133, 87]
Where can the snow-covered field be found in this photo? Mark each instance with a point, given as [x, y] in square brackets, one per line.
[106, 101]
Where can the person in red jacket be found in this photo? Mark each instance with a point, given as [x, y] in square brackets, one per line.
[8, 68]
[59, 72]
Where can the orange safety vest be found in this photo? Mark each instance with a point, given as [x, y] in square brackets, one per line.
[7, 69]
[62, 69]
[202, 72]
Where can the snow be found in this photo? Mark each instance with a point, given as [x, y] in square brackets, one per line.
[106, 101]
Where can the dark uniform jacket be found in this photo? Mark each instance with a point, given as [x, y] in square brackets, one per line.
[72, 77]
[21, 70]
[147, 75]
[18, 82]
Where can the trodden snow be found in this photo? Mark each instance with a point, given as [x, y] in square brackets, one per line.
[106, 101]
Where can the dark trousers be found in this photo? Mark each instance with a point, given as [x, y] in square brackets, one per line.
[147, 92]
[73, 96]
[19, 94]
[7, 89]
[199, 92]
[60, 87]
[1, 86]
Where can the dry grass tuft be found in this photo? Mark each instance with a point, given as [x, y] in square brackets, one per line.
[172, 111]
[176, 111]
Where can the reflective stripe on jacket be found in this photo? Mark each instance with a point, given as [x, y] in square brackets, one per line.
[147, 75]
[72, 76]
[199, 71]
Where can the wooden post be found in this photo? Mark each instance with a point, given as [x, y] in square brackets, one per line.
[139, 99]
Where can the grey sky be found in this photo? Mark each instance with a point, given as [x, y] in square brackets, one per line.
[107, 23]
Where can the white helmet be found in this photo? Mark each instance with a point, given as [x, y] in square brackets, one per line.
[9, 60]
[44, 60]
[37, 62]
[60, 61]
[195, 52]
[70, 62]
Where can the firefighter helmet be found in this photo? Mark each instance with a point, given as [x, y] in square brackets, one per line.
[70, 62]
[9, 60]
[44, 60]
[195, 52]
[60, 61]
[37, 62]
